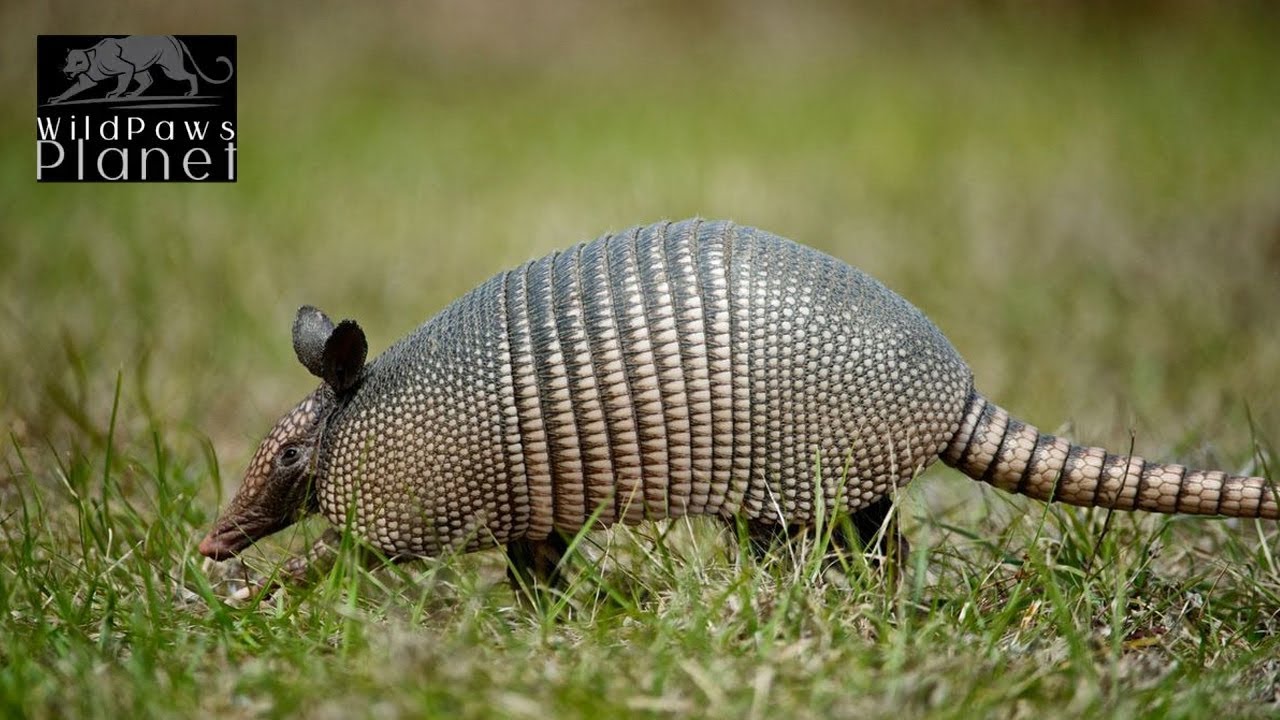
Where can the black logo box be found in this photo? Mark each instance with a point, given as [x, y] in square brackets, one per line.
[153, 130]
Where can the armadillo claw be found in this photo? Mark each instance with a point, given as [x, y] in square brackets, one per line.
[236, 582]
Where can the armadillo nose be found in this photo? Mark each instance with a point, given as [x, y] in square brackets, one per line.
[215, 548]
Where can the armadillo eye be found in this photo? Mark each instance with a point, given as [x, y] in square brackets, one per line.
[290, 455]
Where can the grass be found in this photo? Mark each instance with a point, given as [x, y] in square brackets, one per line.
[1086, 205]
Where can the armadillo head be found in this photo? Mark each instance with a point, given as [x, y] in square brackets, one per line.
[278, 487]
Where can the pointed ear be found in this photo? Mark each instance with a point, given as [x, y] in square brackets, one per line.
[311, 329]
[344, 354]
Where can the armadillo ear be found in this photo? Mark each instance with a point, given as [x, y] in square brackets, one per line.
[311, 329]
[344, 354]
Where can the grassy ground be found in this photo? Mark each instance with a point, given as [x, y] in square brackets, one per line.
[1089, 207]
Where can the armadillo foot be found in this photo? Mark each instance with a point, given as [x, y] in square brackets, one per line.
[233, 581]
[536, 566]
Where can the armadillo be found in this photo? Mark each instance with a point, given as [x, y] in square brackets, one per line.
[686, 368]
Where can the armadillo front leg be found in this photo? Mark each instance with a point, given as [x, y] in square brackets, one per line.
[298, 570]
[322, 556]
[316, 562]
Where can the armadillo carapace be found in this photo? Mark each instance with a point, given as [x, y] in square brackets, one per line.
[686, 368]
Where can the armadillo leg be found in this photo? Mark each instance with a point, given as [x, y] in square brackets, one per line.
[763, 539]
[533, 565]
[320, 558]
[875, 528]
[300, 570]
[879, 533]
[316, 562]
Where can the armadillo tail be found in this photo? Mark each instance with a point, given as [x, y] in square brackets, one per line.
[995, 448]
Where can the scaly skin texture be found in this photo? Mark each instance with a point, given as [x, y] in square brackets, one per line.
[1018, 458]
[276, 487]
[691, 368]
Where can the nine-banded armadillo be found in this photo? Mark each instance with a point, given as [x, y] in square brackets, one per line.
[677, 369]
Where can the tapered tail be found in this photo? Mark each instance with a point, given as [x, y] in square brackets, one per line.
[995, 448]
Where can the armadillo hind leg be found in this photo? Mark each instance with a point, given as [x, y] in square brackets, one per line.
[537, 565]
[879, 532]
[875, 528]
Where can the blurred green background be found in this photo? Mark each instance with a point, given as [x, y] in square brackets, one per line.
[1086, 201]
[1084, 197]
